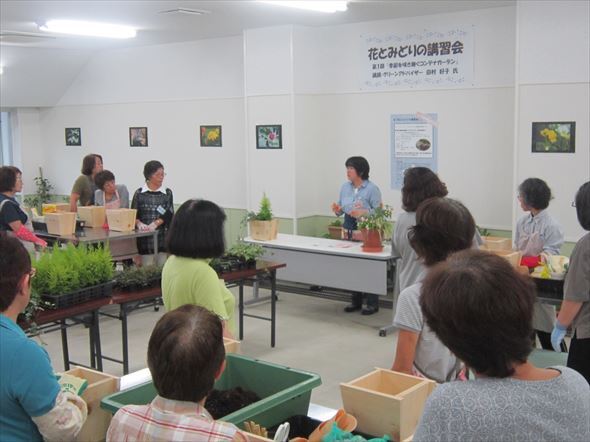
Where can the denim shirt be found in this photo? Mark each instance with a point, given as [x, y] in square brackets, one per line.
[544, 228]
[368, 195]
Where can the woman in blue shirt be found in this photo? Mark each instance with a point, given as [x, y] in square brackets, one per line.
[358, 196]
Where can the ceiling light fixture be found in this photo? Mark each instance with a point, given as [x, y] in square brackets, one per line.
[184, 11]
[90, 29]
[318, 6]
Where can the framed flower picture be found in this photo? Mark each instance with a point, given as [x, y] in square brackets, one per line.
[138, 137]
[554, 137]
[73, 136]
[269, 137]
[210, 136]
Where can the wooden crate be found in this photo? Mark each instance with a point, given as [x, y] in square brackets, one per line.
[386, 402]
[231, 345]
[62, 223]
[121, 220]
[513, 257]
[93, 216]
[496, 243]
[99, 385]
[55, 207]
[264, 230]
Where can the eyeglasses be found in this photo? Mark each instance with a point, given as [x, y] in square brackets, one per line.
[573, 204]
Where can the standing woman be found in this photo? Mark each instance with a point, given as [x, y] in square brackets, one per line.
[420, 183]
[538, 232]
[84, 187]
[12, 217]
[575, 309]
[358, 196]
[196, 236]
[155, 208]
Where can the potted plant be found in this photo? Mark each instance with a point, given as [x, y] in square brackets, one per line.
[335, 229]
[374, 227]
[246, 252]
[42, 194]
[71, 275]
[263, 226]
[138, 278]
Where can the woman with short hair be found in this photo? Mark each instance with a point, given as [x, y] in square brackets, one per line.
[538, 232]
[108, 193]
[84, 187]
[155, 208]
[443, 226]
[196, 236]
[481, 309]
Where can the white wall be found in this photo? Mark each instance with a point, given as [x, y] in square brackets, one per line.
[28, 146]
[554, 86]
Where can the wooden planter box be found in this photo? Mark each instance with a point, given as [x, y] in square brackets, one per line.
[512, 257]
[496, 243]
[94, 216]
[264, 230]
[386, 402]
[99, 385]
[63, 223]
[121, 220]
[231, 345]
[54, 207]
[335, 232]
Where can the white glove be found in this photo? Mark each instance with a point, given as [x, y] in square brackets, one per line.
[142, 227]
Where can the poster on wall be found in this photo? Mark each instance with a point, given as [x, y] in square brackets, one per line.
[414, 140]
[417, 60]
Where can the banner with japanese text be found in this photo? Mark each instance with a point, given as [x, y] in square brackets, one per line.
[420, 60]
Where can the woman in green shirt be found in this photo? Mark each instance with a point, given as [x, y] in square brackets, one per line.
[195, 236]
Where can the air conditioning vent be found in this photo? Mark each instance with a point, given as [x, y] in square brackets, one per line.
[184, 11]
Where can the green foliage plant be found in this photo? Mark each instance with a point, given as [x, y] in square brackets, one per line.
[133, 278]
[42, 194]
[264, 213]
[379, 219]
[245, 251]
[336, 223]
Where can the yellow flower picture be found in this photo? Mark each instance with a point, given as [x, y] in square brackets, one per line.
[554, 137]
[210, 136]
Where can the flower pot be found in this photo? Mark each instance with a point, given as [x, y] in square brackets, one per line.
[264, 230]
[335, 232]
[371, 241]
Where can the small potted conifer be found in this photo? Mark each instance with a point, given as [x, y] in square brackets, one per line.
[263, 226]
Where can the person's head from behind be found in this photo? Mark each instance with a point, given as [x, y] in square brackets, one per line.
[481, 309]
[196, 230]
[186, 353]
[583, 205]
[15, 274]
[534, 193]
[91, 164]
[357, 167]
[10, 179]
[443, 226]
[420, 183]
[105, 181]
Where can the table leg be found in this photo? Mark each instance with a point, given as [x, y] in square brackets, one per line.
[125, 343]
[273, 306]
[156, 247]
[96, 328]
[64, 344]
[241, 308]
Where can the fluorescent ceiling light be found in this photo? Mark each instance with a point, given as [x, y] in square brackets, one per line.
[1, 70]
[311, 5]
[86, 28]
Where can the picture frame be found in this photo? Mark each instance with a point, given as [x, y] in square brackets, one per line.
[553, 137]
[138, 137]
[73, 136]
[269, 136]
[210, 136]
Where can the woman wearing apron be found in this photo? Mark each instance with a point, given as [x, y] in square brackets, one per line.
[114, 196]
[536, 233]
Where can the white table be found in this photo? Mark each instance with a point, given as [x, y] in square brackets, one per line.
[329, 263]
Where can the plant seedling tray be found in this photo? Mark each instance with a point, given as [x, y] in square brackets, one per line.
[77, 297]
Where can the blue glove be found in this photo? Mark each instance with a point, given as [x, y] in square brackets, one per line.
[557, 336]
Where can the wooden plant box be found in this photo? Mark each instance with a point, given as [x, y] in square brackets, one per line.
[62, 223]
[54, 207]
[264, 230]
[513, 257]
[231, 345]
[496, 243]
[335, 232]
[94, 216]
[99, 385]
[386, 402]
[121, 220]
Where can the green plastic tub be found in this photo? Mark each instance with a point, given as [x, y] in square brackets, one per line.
[284, 391]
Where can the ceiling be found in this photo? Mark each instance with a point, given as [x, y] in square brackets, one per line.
[223, 18]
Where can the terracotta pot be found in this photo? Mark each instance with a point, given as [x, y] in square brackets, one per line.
[371, 241]
[335, 232]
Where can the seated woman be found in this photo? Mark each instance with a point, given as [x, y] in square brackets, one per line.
[13, 219]
[481, 309]
[33, 407]
[537, 232]
[443, 226]
[185, 357]
[196, 236]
